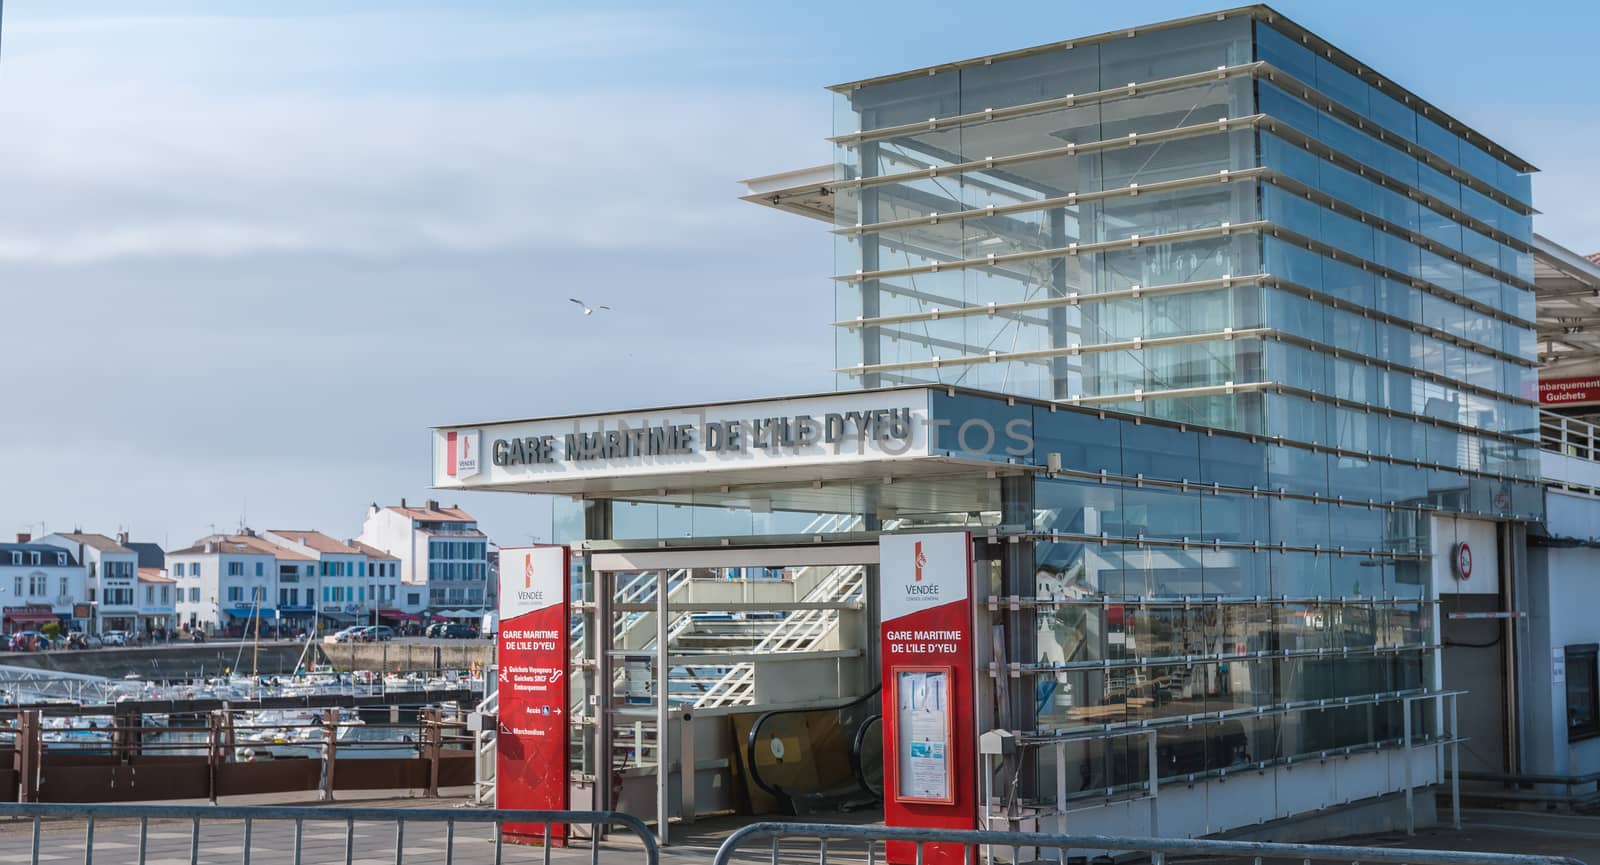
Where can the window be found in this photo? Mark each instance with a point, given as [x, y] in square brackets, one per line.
[33, 558]
[37, 585]
[235, 594]
[1583, 710]
[16, 557]
[194, 570]
[259, 567]
[177, 570]
[18, 587]
[166, 595]
[413, 599]
[149, 595]
[61, 558]
[236, 569]
[63, 587]
[194, 594]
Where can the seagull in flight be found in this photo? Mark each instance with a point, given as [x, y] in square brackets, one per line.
[587, 310]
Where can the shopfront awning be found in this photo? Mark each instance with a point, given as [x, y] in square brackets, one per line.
[265, 613]
[32, 618]
[399, 616]
[339, 618]
[457, 614]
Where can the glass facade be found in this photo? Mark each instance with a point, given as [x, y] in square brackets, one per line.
[1212, 224]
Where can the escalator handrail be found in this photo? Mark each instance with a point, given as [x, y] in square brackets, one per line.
[856, 765]
[755, 733]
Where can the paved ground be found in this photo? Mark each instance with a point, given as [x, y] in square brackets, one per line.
[324, 842]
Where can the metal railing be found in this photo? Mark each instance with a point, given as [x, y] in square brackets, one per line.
[1569, 436]
[430, 828]
[961, 845]
[1414, 737]
[1542, 787]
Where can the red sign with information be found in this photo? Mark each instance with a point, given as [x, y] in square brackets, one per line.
[929, 754]
[1584, 390]
[534, 693]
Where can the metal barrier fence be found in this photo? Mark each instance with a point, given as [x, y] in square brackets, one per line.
[1533, 787]
[271, 846]
[1050, 848]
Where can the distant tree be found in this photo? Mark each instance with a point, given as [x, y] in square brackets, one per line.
[51, 629]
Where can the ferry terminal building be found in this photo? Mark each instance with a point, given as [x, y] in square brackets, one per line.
[1186, 430]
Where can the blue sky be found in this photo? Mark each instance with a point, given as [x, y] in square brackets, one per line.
[251, 251]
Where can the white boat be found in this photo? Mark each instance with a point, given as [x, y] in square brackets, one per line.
[77, 733]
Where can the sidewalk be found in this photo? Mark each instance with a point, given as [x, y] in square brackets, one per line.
[168, 842]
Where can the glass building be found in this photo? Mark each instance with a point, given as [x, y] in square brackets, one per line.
[1222, 221]
[1267, 320]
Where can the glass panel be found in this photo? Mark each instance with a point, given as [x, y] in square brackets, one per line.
[1033, 78]
[1153, 55]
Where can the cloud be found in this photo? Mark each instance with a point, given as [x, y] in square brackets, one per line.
[116, 155]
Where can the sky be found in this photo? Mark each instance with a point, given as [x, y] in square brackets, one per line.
[251, 252]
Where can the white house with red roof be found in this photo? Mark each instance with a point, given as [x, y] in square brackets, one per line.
[443, 556]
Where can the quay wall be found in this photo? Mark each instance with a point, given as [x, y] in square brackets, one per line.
[190, 661]
[176, 661]
[426, 655]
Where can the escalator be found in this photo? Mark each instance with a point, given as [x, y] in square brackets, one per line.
[815, 761]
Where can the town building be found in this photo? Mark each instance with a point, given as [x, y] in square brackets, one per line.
[111, 578]
[443, 556]
[228, 583]
[348, 582]
[157, 601]
[392, 606]
[40, 584]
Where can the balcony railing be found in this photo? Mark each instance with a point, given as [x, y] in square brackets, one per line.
[1569, 436]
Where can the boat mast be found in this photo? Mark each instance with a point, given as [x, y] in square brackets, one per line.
[255, 648]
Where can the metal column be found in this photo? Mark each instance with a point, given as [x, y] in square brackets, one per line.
[873, 596]
[597, 629]
[1060, 365]
[663, 721]
[1018, 576]
[870, 306]
[1513, 563]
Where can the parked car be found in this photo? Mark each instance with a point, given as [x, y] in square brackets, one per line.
[458, 631]
[345, 636]
[29, 641]
[434, 631]
[376, 634]
[114, 638]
